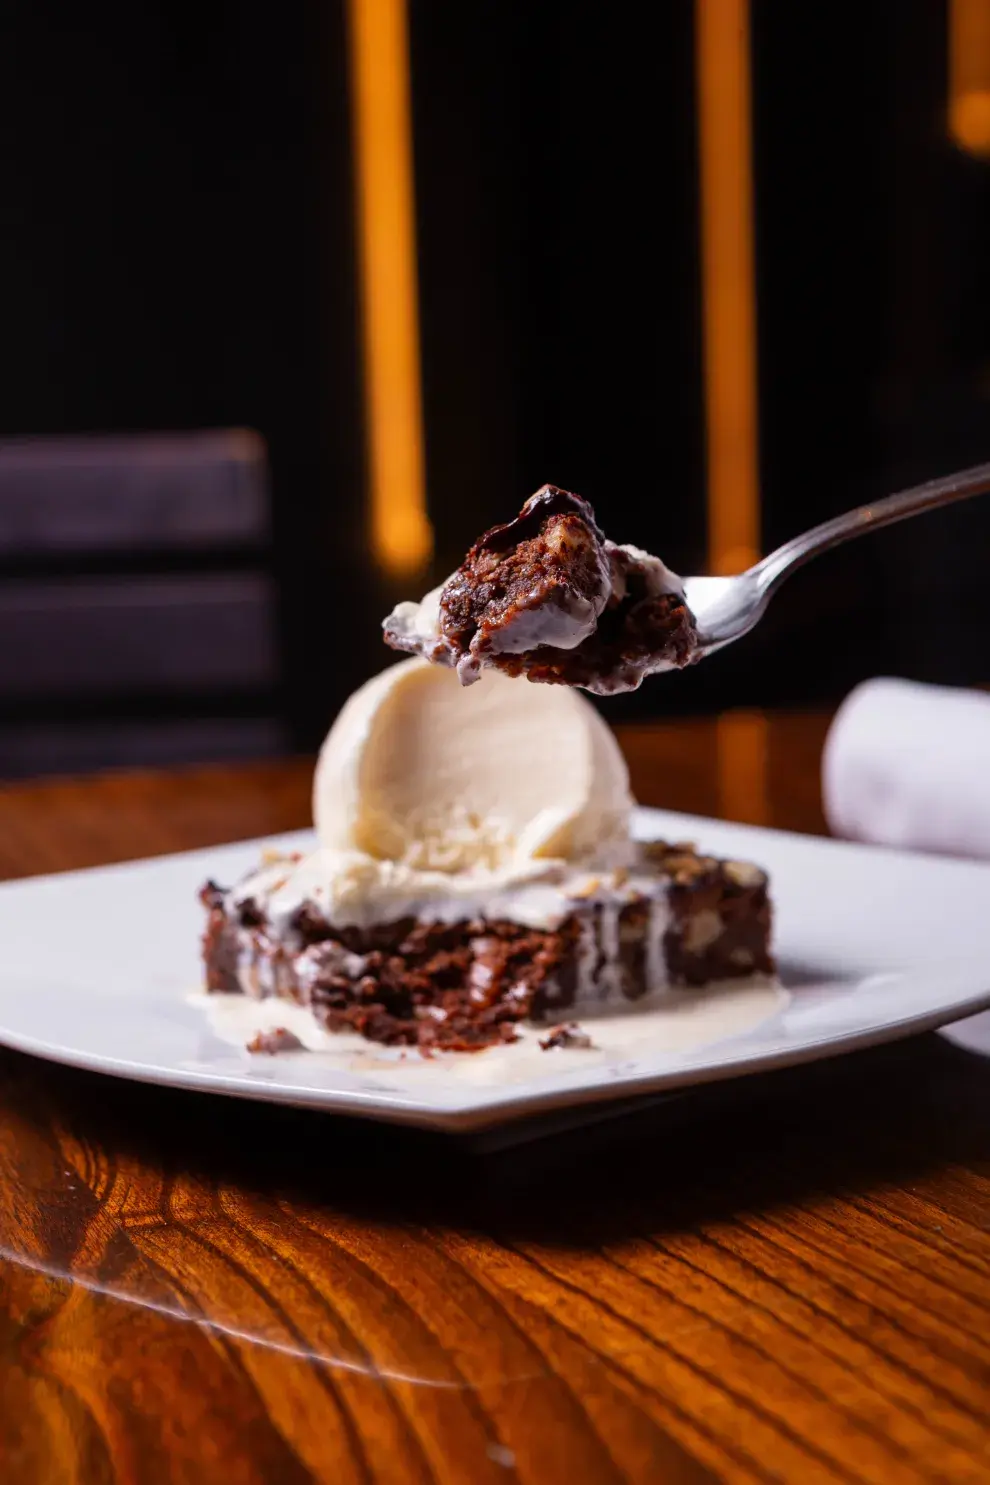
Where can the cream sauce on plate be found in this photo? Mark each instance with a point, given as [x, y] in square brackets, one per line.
[674, 1023]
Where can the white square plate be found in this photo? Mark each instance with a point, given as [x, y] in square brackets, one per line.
[100, 969]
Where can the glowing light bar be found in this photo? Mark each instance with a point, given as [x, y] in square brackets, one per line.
[742, 746]
[728, 283]
[969, 76]
[401, 537]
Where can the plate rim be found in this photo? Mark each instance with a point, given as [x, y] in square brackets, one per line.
[502, 1106]
[490, 1106]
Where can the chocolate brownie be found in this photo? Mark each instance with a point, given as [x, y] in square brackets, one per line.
[675, 919]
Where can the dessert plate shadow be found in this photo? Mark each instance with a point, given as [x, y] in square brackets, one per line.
[873, 945]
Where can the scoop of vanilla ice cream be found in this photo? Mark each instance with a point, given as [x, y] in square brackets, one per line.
[419, 770]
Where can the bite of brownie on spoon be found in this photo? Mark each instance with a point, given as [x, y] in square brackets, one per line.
[548, 596]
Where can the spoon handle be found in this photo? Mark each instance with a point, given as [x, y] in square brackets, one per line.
[800, 549]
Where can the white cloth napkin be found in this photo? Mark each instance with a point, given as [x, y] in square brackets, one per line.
[909, 765]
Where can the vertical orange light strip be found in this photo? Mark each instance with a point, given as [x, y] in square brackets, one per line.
[401, 538]
[742, 746]
[969, 76]
[728, 283]
[729, 310]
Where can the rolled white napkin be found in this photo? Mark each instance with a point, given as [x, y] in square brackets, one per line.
[909, 765]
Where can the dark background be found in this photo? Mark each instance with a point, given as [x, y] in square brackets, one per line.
[177, 252]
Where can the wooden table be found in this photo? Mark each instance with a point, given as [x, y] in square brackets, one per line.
[793, 1284]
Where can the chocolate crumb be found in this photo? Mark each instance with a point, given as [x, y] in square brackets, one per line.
[568, 1035]
[279, 1039]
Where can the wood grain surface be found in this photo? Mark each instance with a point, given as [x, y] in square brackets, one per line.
[785, 1280]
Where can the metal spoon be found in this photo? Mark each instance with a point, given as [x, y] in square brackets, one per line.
[726, 608]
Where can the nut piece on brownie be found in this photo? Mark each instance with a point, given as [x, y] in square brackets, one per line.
[549, 597]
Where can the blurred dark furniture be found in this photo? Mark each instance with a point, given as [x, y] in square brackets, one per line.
[137, 602]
